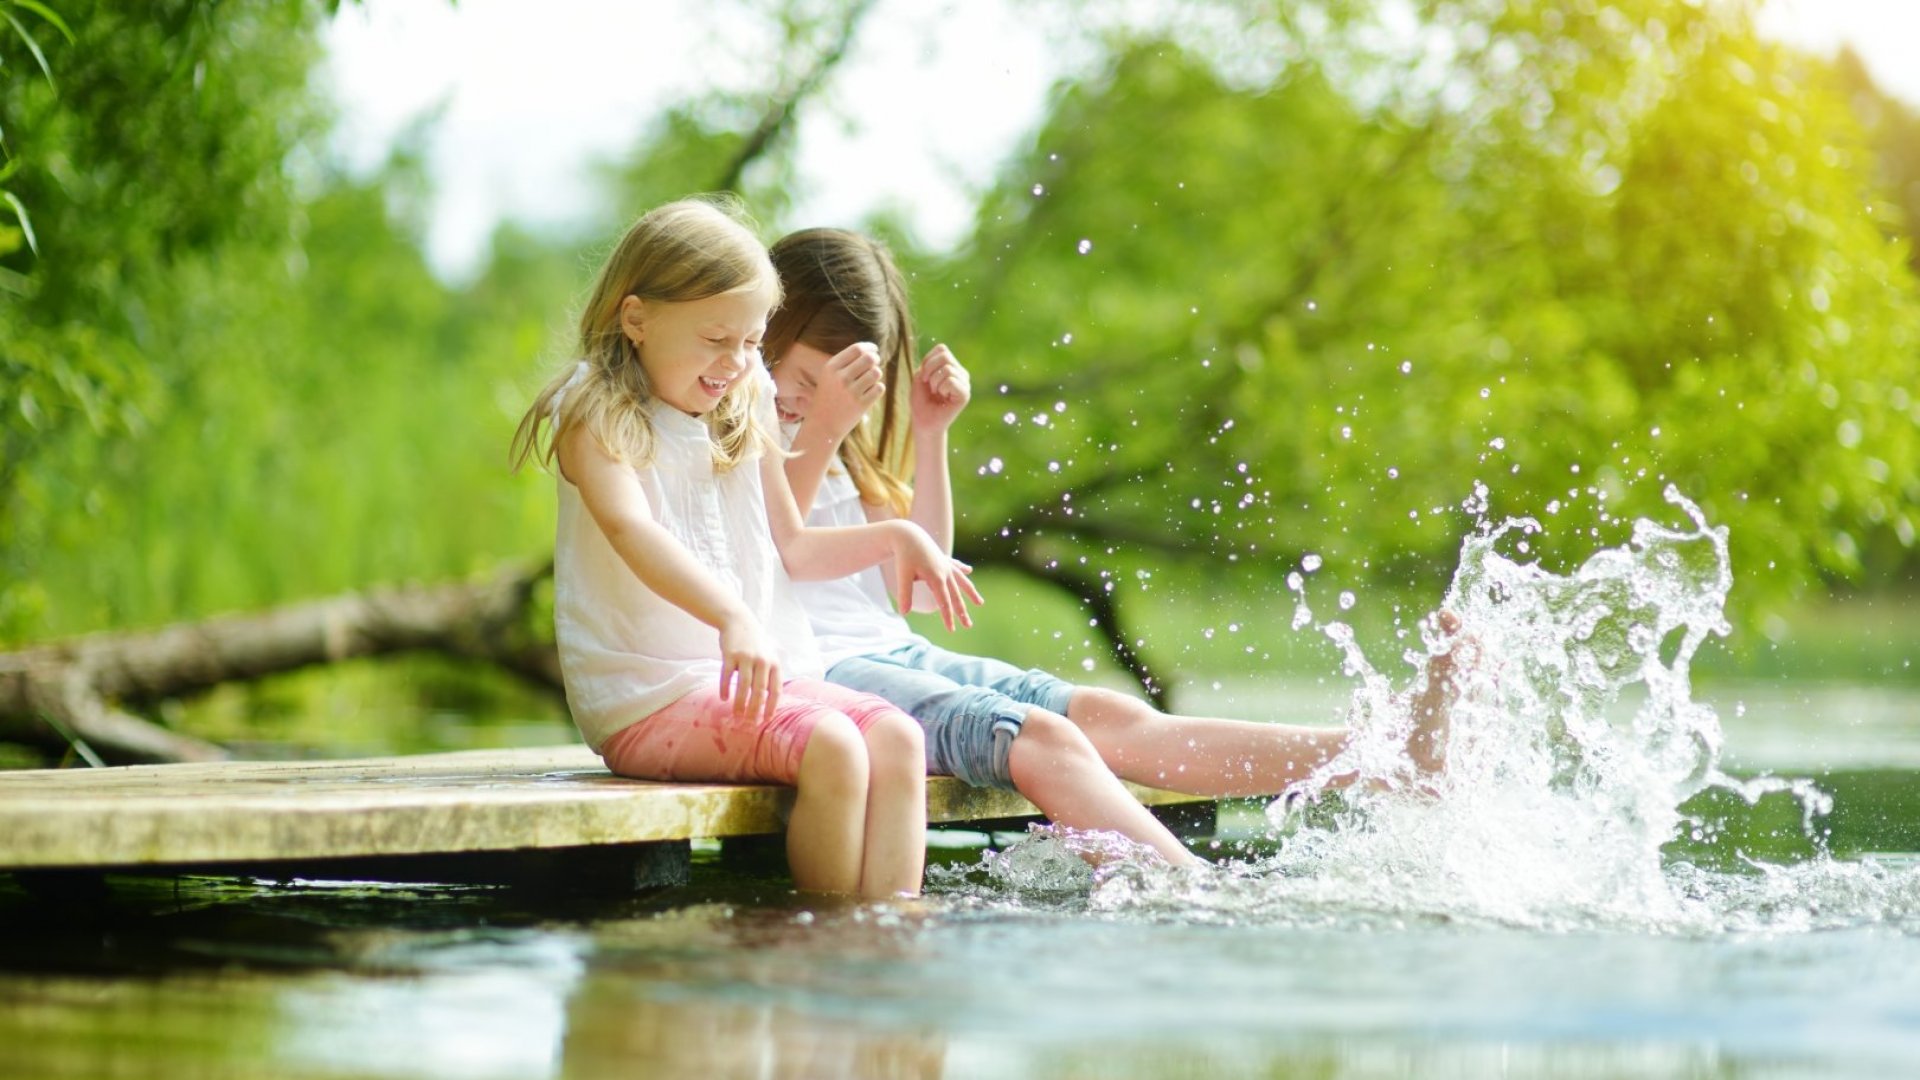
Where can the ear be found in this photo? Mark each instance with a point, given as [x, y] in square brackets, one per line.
[633, 319]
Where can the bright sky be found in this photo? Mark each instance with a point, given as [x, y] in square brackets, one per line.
[934, 97]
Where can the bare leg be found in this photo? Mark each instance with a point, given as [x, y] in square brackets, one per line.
[896, 819]
[1206, 756]
[1195, 754]
[826, 834]
[1055, 767]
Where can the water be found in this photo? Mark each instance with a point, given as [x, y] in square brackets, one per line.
[1615, 878]
[730, 981]
[1554, 812]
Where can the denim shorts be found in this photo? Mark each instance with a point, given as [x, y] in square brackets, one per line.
[971, 706]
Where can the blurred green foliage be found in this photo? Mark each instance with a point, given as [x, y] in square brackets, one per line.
[1893, 130]
[1295, 287]
[157, 139]
[1228, 319]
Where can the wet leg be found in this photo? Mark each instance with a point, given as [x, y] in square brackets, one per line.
[1057, 769]
[1195, 754]
[826, 834]
[896, 809]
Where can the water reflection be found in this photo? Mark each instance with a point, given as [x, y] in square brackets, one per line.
[776, 991]
[743, 979]
[616, 1028]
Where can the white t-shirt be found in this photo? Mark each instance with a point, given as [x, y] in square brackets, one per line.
[853, 615]
[626, 653]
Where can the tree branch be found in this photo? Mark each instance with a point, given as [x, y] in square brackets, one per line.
[1095, 595]
[73, 682]
[780, 111]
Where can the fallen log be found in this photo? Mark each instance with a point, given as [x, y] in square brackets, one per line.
[72, 692]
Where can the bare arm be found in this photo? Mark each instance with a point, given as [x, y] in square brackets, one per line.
[932, 507]
[941, 388]
[613, 497]
[821, 553]
[813, 455]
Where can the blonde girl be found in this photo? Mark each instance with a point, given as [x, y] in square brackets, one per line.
[684, 654]
[862, 420]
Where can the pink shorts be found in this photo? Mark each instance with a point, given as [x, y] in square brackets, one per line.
[697, 739]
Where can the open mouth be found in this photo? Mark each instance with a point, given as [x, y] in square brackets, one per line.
[716, 387]
[787, 415]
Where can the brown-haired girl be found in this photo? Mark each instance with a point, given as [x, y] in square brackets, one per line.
[862, 419]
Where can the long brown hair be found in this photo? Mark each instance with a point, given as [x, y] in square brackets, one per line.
[682, 251]
[841, 287]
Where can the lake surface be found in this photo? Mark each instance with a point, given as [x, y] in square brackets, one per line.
[1035, 969]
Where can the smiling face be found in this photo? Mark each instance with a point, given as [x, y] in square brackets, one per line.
[695, 351]
[795, 376]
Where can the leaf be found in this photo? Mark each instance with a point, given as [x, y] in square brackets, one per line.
[48, 14]
[33, 46]
[26, 222]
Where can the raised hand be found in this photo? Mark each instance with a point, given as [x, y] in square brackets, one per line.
[941, 388]
[849, 383]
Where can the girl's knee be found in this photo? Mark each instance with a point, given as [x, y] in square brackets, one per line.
[1096, 706]
[1056, 736]
[835, 755]
[894, 737]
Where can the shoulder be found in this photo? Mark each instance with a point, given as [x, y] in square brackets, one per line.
[579, 453]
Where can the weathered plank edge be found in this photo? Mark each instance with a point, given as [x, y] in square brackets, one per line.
[473, 801]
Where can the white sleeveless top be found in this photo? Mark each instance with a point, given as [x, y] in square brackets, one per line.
[853, 615]
[626, 653]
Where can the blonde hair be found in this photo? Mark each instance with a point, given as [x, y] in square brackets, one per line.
[841, 287]
[683, 251]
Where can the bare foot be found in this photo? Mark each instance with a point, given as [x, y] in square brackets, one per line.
[1432, 701]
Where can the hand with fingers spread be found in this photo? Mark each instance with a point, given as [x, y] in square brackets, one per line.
[919, 564]
[749, 669]
[941, 388]
[849, 383]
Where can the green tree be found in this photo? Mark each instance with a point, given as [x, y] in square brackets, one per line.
[165, 132]
[16, 15]
[1893, 128]
[1705, 207]
[1596, 253]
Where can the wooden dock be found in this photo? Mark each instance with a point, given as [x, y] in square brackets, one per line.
[394, 817]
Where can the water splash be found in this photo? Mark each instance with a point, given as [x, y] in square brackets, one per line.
[1574, 743]
[1050, 864]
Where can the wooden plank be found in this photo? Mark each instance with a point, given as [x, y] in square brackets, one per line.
[479, 800]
